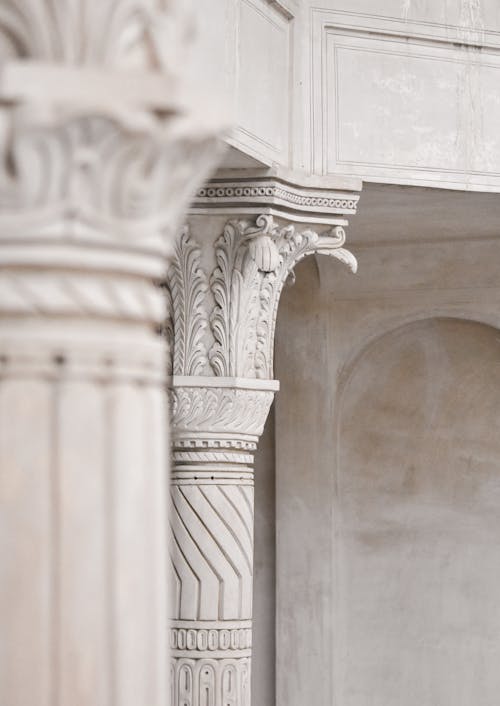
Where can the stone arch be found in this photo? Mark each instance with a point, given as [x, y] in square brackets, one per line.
[384, 326]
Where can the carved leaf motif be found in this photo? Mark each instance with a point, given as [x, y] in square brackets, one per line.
[188, 285]
[264, 326]
[331, 244]
[293, 247]
[220, 409]
[246, 289]
[225, 288]
[169, 329]
[246, 310]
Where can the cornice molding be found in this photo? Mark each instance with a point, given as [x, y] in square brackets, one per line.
[275, 194]
[272, 192]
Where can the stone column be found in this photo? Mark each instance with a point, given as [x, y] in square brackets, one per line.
[217, 422]
[244, 237]
[98, 156]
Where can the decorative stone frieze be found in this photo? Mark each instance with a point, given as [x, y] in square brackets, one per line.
[205, 406]
[100, 153]
[230, 264]
[271, 192]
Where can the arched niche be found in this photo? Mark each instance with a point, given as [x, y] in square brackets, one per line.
[417, 519]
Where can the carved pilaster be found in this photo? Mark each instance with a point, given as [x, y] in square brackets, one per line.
[244, 238]
[99, 156]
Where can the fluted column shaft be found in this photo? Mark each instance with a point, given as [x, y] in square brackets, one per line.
[99, 157]
[83, 520]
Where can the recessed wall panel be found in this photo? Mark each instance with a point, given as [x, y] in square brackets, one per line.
[216, 46]
[391, 106]
[263, 79]
[410, 103]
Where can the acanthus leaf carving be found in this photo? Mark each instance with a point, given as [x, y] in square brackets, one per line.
[224, 290]
[187, 289]
[253, 262]
[220, 409]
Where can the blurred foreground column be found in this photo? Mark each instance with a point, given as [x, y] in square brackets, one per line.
[99, 156]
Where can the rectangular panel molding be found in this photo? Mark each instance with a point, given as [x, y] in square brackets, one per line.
[432, 102]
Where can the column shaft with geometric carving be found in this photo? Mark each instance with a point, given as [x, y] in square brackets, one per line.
[217, 425]
[98, 160]
[231, 262]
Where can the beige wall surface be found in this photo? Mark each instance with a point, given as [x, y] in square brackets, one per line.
[417, 521]
[387, 470]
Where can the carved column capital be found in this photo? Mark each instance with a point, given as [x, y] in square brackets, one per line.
[222, 317]
[101, 150]
[101, 145]
[87, 219]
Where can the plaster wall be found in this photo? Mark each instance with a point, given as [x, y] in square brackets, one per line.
[387, 463]
[417, 499]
